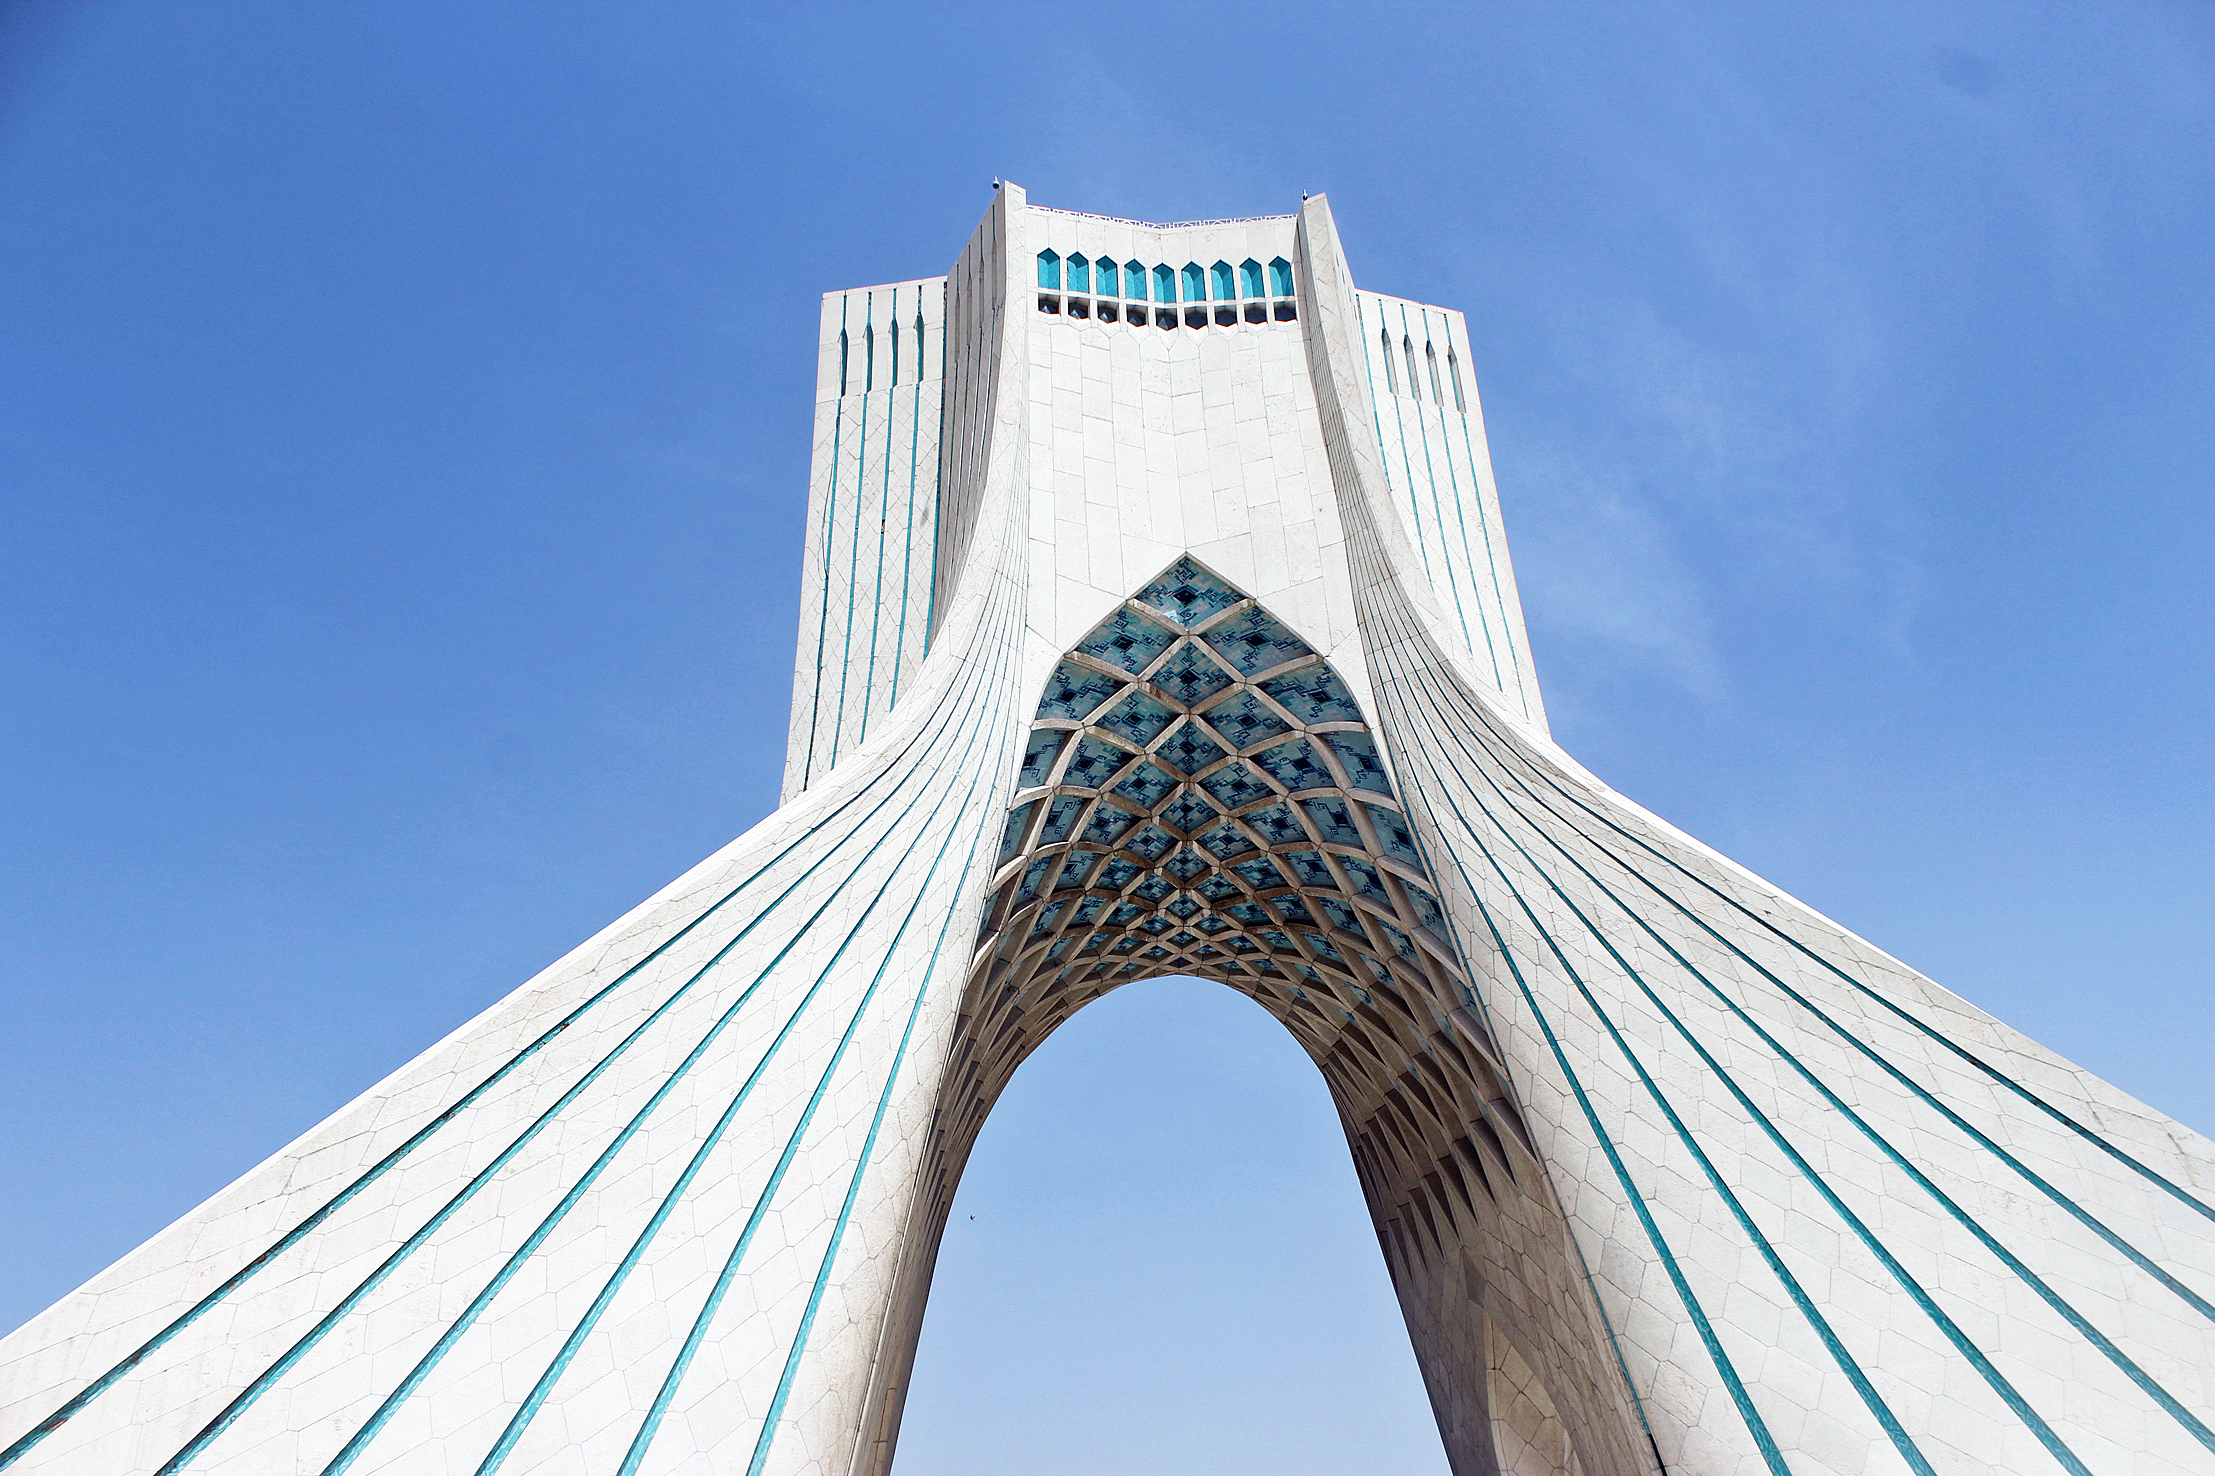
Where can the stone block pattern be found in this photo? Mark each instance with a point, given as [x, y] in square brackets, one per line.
[1159, 618]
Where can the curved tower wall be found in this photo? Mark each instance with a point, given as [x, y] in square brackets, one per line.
[1668, 1169]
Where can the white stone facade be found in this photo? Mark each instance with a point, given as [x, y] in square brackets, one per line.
[1187, 644]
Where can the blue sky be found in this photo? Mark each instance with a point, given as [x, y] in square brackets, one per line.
[403, 437]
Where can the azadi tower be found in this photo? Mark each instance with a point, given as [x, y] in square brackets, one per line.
[1158, 620]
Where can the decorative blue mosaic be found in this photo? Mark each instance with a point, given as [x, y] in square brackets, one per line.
[1292, 909]
[1294, 764]
[1341, 915]
[1308, 867]
[1250, 914]
[1276, 939]
[1278, 825]
[1107, 824]
[1394, 835]
[1190, 748]
[1033, 876]
[1139, 718]
[1314, 694]
[1186, 864]
[1252, 641]
[1365, 880]
[1011, 841]
[1093, 762]
[1153, 888]
[1061, 818]
[1427, 911]
[1048, 916]
[1226, 841]
[1188, 594]
[1260, 873]
[1212, 925]
[1322, 947]
[1402, 944]
[1235, 786]
[1191, 676]
[1117, 874]
[1150, 843]
[1038, 758]
[1073, 869]
[1309, 971]
[1157, 953]
[1358, 753]
[1124, 915]
[1088, 908]
[1188, 812]
[1157, 925]
[1332, 822]
[1216, 888]
[1183, 939]
[1075, 691]
[1147, 785]
[1184, 907]
[1127, 640]
[1053, 954]
[1245, 720]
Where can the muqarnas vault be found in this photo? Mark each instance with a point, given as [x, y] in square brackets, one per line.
[1157, 619]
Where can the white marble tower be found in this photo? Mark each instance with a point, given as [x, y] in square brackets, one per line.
[1158, 619]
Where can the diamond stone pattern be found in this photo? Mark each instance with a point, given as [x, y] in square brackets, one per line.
[1314, 694]
[1138, 718]
[1093, 762]
[1189, 594]
[1252, 641]
[1190, 748]
[1075, 691]
[1128, 640]
[1191, 676]
[1245, 720]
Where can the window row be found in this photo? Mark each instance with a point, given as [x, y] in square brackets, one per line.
[1140, 283]
[1138, 315]
[1414, 389]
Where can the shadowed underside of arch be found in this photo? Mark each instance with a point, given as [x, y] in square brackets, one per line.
[1201, 794]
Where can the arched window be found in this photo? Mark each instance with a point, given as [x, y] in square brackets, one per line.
[1384, 347]
[1249, 272]
[1080, 274]
[1438, 396]
[1195, 282]
[1106, 271]
[1226, 283]
[1134, 280]
[1049, 269]
[844, 352]
[1280, 277]
[1414, 389]
[1165, 284]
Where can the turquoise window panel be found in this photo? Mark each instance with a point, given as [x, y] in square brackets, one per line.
[1309, 868]
[1049, 269]
[1128, 640]
[1195, 282]
[1191, 675]
[1038, 757]
[1252, 641]
[1189, 594]
[1138, 718]
[1226, 285]
[1012, 842]
[1147, 786]
[1094, 762]
[1190, 748]
[1280, 278]
[1165, 284]
[1075, 691]
[1226, 841]
[1236, 786]
[1245, 720]
[1188, 812]
[1080, 274]
[1061, 818]
[1332, 821]
[1278, 825]
[1134, 278]
[1107, 272]
[1341, 916]
[1365, 879]
[1314, 694]
[1249, 278]
[1364, 767]
[1186, 864]
[1108, 824]
[1295, 765]
[1394, 835]
[1149, 844]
